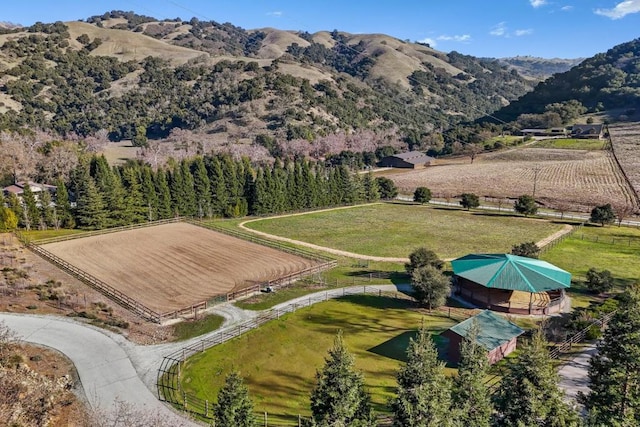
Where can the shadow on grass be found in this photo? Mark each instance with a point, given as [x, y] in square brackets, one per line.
[396, 347]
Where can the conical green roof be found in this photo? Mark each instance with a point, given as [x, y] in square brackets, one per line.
[511, 272]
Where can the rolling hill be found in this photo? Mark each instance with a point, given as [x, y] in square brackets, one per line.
[140, 78]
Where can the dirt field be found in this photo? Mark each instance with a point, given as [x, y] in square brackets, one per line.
[172, 266]
[564, 179]
[626, 143]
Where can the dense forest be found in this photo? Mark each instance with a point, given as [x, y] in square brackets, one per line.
[98, 196]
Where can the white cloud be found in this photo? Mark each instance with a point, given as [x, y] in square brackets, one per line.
[621, 10]
[499, 30]
[566, 8]
[537, 3]
[520, 33]
[431, 42]
[277, 13]
[458, 38]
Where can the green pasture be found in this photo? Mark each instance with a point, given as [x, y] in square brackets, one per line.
[571, 144]
[279, 360]
[616, 249]
[394, 230]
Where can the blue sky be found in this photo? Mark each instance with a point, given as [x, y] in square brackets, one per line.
[489, 28]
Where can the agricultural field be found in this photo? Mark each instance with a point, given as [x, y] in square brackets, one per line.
[394, 230]
[278, 361]
[172, 266]
[571, 144]
[565, 179]
[626, 143]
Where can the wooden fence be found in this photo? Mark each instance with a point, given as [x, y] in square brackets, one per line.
[493, 382]
[97, 284]
[168, 376]
[324, 263]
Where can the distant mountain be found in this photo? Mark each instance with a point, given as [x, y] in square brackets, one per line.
[539, 68]
[606, 81]
[140, 78]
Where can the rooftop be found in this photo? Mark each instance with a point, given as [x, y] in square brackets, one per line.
[494, 330]
[511, 272]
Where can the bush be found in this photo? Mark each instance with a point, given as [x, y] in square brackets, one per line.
[599, 281]
[422, 195]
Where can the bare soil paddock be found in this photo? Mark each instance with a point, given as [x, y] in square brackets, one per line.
[172, 266]
[565, 179]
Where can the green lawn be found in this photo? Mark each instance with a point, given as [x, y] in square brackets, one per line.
[194, 328]
[571, 144]
[279, 360]
[394, 230]
[616, 249]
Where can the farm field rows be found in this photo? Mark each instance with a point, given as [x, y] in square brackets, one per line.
[394, 230]
[278, 360]
[569, 179]
[172, 266]
[626, 143]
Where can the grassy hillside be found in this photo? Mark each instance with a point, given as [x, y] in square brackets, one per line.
[140, 78]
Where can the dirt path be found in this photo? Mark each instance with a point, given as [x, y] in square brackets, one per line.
[558, 234]
[565, 230]
[318, 247]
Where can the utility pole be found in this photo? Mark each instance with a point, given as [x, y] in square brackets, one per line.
[535, 181]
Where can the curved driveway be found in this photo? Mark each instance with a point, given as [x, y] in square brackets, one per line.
[112, 368]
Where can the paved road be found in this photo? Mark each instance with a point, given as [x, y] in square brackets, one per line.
[110, 367]
[573, 375]
[550, 214]
[105, 369]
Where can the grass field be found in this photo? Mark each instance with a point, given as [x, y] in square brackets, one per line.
[279, 360]
[612, 248]
[394, 230]
[571, 144]
[194, 328]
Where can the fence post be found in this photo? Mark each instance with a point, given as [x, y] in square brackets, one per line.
[265, 419]
[184, 395]
[299, 420]
[206, 408]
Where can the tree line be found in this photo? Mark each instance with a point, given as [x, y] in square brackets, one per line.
[100, 196]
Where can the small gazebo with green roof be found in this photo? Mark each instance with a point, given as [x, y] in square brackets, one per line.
[511, 283]
[495, 333]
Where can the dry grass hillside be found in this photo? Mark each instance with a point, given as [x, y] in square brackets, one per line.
[127, 45]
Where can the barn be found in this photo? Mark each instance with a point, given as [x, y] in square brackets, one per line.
[510, 283]
[495, 333]
[410, 160]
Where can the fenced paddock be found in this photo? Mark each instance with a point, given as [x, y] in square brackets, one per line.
[175, 268]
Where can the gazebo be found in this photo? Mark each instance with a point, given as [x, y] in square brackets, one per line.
[511, 283]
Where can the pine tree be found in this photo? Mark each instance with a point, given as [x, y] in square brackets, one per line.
[165, 209]
[234, 407]
[614, 371]
[134, 206]
[423, 394]
[529, 395]
[371, 190]
[188, 191]
[64, 217]
[46, 210]
[13, 203]
[470, 398]
[202, 188]
[219, 195]
[30, 213]
[149, 195]
[90, 207]
[109, 184]
[339, 398]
